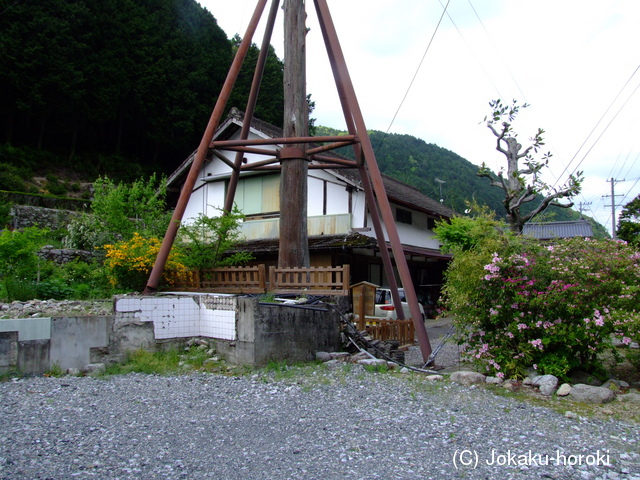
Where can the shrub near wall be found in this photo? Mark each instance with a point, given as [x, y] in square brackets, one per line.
[553, 308]
[129, 263]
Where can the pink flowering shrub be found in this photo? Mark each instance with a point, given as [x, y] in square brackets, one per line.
[555, 307]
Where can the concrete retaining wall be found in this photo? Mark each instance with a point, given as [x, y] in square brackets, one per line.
[245, 332]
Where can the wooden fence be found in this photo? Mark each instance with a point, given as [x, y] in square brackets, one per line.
[317, 280]
[313, 280]
[383, 329]
[220, 280]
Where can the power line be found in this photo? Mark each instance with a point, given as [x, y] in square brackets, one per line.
[414, 75]
[498, 51]
[11, 6]
[598, 123]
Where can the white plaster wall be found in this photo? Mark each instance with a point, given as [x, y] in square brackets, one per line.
[337, 199]
[414, 235]
[315, 192]
[358, 200]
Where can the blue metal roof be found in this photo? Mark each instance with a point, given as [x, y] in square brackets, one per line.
[551, 230]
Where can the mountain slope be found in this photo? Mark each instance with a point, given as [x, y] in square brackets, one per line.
[442, 174]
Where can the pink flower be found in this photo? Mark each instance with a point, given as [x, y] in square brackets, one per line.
[500, 375]
[536, 343]
[535, 366]
[626, 340]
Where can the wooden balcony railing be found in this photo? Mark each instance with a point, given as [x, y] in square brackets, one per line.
[317, 280]
[313, 280]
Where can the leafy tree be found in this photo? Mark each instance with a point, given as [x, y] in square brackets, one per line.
[115, 76]
[461, 234]
[120, 210]
[206, 242]
[522, 185]
[629, 222]
[270, 103]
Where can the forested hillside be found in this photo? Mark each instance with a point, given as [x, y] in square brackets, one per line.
[125, 88]
[112, 79]
[441, 173]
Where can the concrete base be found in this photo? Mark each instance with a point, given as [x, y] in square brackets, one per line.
[252, 333]
[270, 332]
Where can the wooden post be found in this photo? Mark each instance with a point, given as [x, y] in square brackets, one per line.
[294, 245]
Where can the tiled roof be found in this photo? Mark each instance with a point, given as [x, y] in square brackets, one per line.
[551, 230]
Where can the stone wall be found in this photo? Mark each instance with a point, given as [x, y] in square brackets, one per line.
[66, 255]
[29, 216]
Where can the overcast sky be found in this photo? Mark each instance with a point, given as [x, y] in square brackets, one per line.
[573, 61]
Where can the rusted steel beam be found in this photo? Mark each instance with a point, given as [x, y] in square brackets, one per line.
[341, 79]
[251, 104]
[337, 161]
[224, 144]
[347, 91]
[257, 151]
[262, 163]
[214, 120]
[293, 152]
[228, 162]
[382, 243]
[328, 147]
[311, 166]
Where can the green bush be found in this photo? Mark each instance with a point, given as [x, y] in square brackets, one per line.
[120, 210]
[55, 289]
[54, 186]
[206, 242]
[18, 249]
[552, 308]
[15, 289]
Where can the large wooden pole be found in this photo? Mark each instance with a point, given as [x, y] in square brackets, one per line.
[294, 246]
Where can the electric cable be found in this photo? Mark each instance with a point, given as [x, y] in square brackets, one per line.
[598, 123]
[12, 5]
[414, 76]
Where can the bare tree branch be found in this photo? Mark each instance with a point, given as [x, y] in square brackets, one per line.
[522, 185]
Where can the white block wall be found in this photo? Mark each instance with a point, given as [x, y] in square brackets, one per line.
[183, 315]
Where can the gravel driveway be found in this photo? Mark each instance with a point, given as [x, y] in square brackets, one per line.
[302, 423]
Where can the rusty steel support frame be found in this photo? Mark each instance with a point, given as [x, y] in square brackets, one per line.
[214, 121]
[251, 104]
[348, 97]
[373, 186]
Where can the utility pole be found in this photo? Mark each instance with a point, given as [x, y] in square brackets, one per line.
[294, 244]
[581, 208]
[613, 205]
[441, 182]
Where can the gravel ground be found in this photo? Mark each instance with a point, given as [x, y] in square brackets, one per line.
[300, 423]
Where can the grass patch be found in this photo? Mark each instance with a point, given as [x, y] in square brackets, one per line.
[382, 368]
[55, 371]
[9, 374]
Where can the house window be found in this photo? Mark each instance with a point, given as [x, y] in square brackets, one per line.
[431, 223]
[403, 216]
[258, 195]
